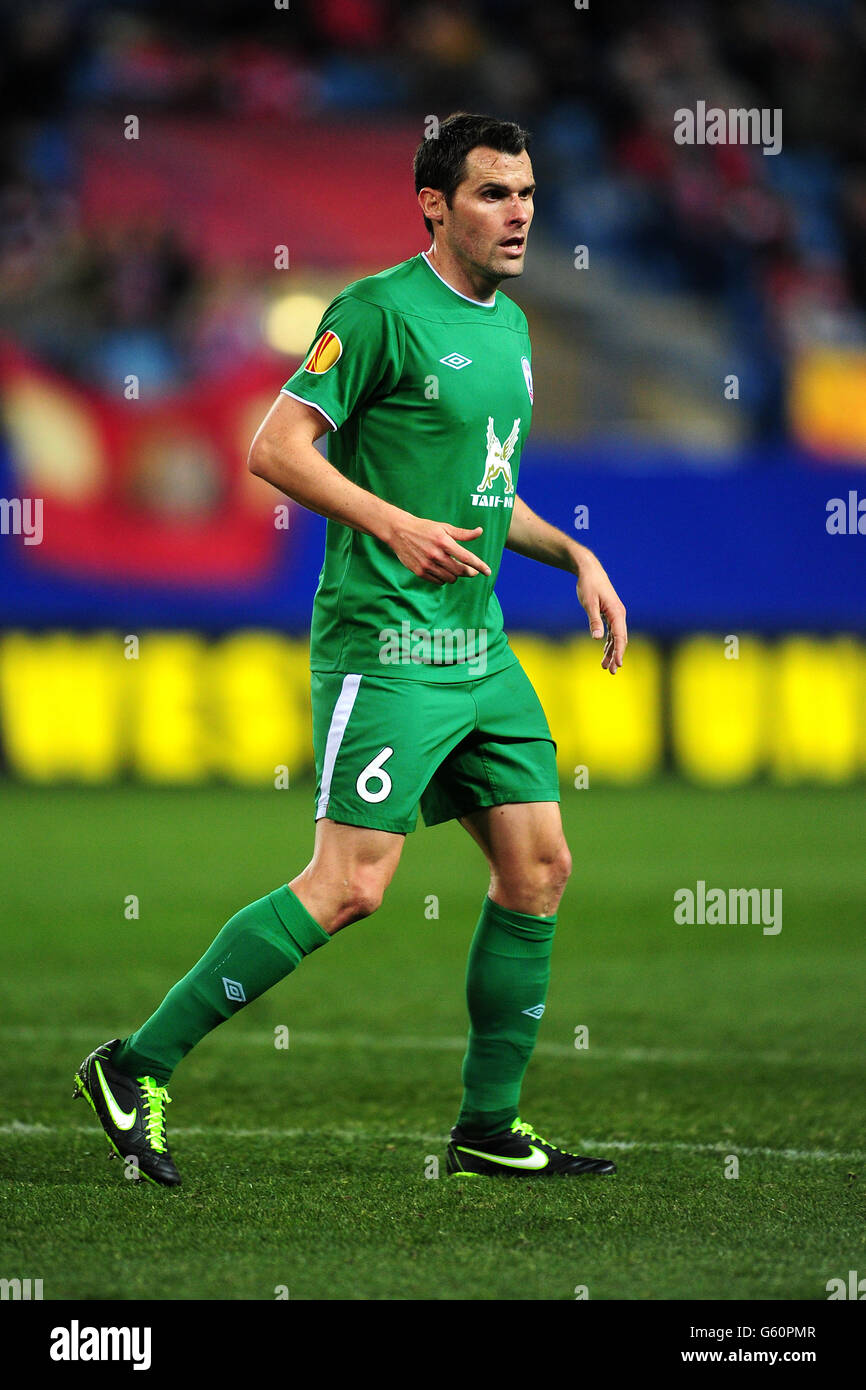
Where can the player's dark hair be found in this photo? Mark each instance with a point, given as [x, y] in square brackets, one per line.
[440, 160]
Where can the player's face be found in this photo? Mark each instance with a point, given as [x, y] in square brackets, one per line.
[487, 225]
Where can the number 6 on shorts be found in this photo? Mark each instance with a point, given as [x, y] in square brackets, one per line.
[374, 771]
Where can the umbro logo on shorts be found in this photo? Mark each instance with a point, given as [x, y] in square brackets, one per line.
[535, 1012]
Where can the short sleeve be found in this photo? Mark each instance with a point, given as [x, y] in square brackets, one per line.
[356, 355]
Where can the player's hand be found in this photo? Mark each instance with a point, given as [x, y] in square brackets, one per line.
[432, 549]
[602, 604]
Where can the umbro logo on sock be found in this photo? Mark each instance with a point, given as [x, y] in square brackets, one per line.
[535, 1012]
[234, 991]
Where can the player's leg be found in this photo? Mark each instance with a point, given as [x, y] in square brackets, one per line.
[506, 989]
[508, 971]
[125, 1081]
[265, 941]
[348, 874]
[502, 784]
[526, 850]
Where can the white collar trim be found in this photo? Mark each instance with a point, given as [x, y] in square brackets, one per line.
[483, 303]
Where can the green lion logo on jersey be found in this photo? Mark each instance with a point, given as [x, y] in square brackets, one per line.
[497, 465]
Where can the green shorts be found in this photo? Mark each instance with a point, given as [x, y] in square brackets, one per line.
[385, 746]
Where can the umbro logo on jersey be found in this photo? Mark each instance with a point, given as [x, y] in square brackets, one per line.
[234, 991]
[535, 1012]
[455, 360]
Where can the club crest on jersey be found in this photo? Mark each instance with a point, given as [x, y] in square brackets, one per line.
[527, 376]
[326, 350]
[497, 465]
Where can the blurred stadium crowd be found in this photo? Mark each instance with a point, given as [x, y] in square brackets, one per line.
[771, 247]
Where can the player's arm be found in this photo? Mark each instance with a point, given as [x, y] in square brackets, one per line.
[529, 534]
[282, 453]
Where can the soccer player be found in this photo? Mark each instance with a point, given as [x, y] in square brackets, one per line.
[422, 374]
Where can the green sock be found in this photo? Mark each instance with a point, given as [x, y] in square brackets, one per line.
[256, 948]
[506, 983]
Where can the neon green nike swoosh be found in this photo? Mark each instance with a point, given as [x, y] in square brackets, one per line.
[537, 1158]
[122, 1118]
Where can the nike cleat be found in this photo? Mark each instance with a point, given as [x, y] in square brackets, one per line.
[132, 1113]
[517, 1152]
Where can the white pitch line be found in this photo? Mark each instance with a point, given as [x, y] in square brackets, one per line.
[815, 1155]
[26, 1129]
[374, 1042]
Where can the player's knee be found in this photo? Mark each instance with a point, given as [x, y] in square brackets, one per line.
[560, 867]
[536, 883]
[551, 873]
[550, 868]
[363, 895]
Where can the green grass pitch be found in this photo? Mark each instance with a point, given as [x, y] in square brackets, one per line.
[305, 1169]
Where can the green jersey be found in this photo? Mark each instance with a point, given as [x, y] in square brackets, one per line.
[429, 397]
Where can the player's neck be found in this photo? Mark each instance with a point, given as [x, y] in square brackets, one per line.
[479, 288]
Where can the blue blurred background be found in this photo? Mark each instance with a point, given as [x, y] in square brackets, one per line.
[184, 189]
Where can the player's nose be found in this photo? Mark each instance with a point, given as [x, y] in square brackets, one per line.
[517, 212]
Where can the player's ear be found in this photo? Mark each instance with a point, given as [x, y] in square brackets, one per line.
[428, 201]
